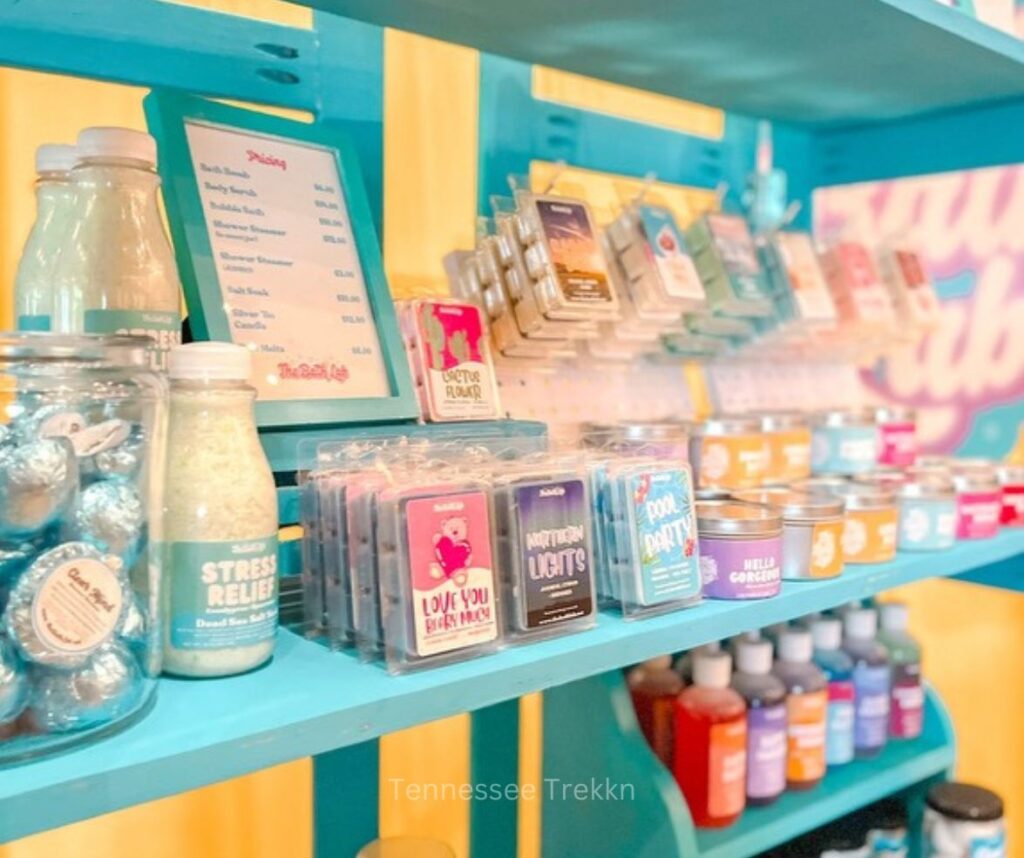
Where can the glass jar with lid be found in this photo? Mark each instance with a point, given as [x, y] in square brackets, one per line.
[33, 283]
[82, 435]
[963, 821]
[117, 273]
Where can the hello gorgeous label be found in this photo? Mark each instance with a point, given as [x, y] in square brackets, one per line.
[741, 568]
[452, 569]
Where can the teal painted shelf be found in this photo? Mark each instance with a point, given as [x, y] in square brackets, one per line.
[817, 63]
[309, 700]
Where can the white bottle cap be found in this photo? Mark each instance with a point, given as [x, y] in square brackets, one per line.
[662, 662]
[55, 158]
[116, 143]
[827, 633]
[712, 669]
[861, 623]
[754, 656]
[795, 645]
[895, 616]
[210, 362]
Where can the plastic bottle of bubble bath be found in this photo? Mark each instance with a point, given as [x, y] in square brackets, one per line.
[871, 681]
[765, 695]
[117, 273]
[33, 283]
[806, 708]
[220, 521]
[654, 686]
[906, 705]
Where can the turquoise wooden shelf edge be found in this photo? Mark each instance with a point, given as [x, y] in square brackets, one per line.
[606, 748]
[310, 701]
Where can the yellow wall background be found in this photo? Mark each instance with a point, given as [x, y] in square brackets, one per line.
[972, 636]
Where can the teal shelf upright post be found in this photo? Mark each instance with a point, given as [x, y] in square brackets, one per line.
[494, 765]
[345, 799]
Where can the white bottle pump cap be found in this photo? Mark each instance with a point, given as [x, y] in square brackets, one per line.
[662, 662]
[209, 362]
[712, 669]
[861, 623]
[827, 633]
[895, 616]
[55, 158]
[103, 142]
[754, 656]
[795, 645]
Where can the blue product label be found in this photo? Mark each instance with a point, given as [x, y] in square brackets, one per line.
[163, 328]
[890, 844]
[38, 322]
[844, 449]
[871, 701]
[666, 535]
[927, 524]
[988, 847]
[839, 723]
[223, 594]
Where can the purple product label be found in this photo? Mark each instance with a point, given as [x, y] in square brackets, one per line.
[871, 696]
[766, 751]
[906, 715]
[741, 568]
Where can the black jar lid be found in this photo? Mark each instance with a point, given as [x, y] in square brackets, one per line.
[849, 834]
[965, 801]
[888, 814]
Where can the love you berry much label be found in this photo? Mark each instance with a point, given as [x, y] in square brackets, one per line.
[452, 571]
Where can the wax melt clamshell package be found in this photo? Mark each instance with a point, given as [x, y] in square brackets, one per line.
[726, 259]
[544, 546]
[802, 295]
[82, 436]
[910, 288]
[861, 298]
[450, 357]
[650, 537]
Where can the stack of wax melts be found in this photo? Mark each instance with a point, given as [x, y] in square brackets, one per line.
[450, 357]
[913, 296]
[863, 302]
[803, 302]
[80, 501]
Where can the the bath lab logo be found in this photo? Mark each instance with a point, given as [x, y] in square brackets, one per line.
[966, 378]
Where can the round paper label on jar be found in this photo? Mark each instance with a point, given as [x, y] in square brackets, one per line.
[77, 607]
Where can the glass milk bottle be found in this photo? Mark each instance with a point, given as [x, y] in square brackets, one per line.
[117, 272]
[220, 599]
[33, 283]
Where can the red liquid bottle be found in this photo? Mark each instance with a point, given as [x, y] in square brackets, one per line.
[654, 686]
[711, 743]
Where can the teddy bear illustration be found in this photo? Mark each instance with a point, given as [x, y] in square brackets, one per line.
[452, 550]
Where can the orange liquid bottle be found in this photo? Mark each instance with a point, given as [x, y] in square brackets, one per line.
[710, 761]
[654, 686]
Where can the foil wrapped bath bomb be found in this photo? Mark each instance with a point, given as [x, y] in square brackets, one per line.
[52, 421]
[107, 687]
[38, 481]
[13, 684]
[109, 514]
[67, 605]
[123, 460]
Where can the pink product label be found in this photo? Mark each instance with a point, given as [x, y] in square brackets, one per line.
[906, 712]
[1013, 506]
[898, 444]
[766, 751]
[741, 568]
[978, 514]
[452, 572]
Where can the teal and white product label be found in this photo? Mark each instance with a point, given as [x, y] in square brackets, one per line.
[988, 847]
[223, 594]
[666, 536]
[164, 328]
[665, 241]
[37, 322]
[889, 844]
[871, 701]
[927, 525]
[844, 449]
[839, 723]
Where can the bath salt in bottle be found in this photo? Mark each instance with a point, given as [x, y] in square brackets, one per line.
[117, 273]
[33, 282]
[710, 758]
[654, 686]
[906, 704]
[220, 523]
[806, 708]
[827, 633]
[871, 681]
[766, 720]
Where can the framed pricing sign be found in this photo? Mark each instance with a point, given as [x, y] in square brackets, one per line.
[277, 252]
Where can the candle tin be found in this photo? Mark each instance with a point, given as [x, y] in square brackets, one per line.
[928, 512]
[728, 452]
[812, 531]
[788, 439]
[979, 498]
[897, 436]
[844, 442]
[822, 483]
[1011, 477]
[886, 478]
[655, 438]
[870, 529]
[740, 550]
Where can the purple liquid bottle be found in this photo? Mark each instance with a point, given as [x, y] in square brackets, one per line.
[766, 720]
[871, 681]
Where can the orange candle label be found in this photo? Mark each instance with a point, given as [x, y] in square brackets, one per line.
[869, 535]
[827, 549]
[789, 455]
[733, 461]
[806, 736]
[727, 768]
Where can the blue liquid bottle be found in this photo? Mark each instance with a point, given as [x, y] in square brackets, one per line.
[871, 681]
[838, 669]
